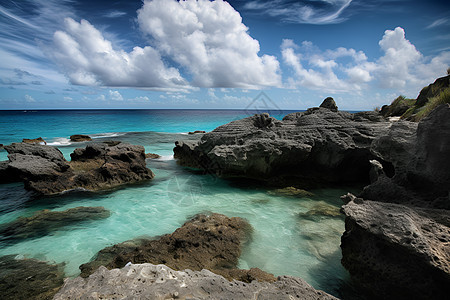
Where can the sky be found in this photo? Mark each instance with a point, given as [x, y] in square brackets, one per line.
[83, 54]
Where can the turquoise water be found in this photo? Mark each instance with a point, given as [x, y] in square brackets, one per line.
[283, 242]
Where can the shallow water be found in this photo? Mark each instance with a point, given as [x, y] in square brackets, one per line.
[284, 242]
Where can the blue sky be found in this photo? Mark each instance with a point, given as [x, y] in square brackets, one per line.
[217, 54]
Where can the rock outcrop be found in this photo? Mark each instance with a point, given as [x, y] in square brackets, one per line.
[45, 221]
[80, 138]
[197, 131]
[317, 146]
[330, 104]
[147, 281]
[97, 166]
[210, 242]
[38, 141]
[397, 252]
[29, 278]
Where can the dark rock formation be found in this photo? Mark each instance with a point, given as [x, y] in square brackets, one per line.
[37, 141]
[197, 131]
[398, 107]
[330, 104]
[152, 155]
[432, 90]
[147, 281]
[304, 149]
[210, 242]
[44, 222]
[98, 166]
[80, 138]
[29, 278]
[397, 252]
[420, 157]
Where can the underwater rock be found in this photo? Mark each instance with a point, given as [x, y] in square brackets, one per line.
[38, 141]
[80, 138]
[152, 155]
[397, 252]
[307, 149]
[29, 278]
[45, 221]
[97, 166]
[210, 242]
[148, 281]
[290, 192]
[321, 210]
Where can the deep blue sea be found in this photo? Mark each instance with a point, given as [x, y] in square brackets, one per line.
[283, 242]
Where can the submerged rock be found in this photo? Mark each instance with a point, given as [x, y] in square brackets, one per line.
[44, 222]
[80, 138]
[148, 281]
[97, 166]
[290, 192]
[29, 278]
[319, 146]
[38, 141]
[210, 242]
[321, 210]
[397, 252]
[152, 155]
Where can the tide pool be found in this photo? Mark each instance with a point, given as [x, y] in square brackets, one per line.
[286, 240]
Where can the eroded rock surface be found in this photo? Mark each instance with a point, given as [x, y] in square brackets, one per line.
[397, 252]
[320, 145]
[147, 281]
[97, 166]
[28, 278]
[80, 138]
[45, 221]
[210, 242]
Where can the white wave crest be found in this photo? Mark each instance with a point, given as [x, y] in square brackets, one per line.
[60, 142]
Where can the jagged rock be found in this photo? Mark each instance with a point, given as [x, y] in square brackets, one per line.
[98, 166]
[152, 155]
[330, 104]
[290, 192]
[197, 131]
[147, 281]
[210, 242]
[420, 158]
[29, 278]
[38, 141]
[397, 252]
[304, 149]
[45, 221]
[80, 138]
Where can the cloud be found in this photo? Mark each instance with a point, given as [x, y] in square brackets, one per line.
[305, 12]
[402, 67]
[87, 58]
[438, 22]
[29, 99]
[114, 14]
[209, 40]
[115, 95]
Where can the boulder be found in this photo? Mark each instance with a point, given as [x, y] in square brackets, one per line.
[319, 146]
[38, 141]
[152, 155]
[330, 104]
[80, 138]
[29, 278]
[210, 242]
[45, 221]
[97, 166]
[148, 281]
[394, 251]
[197, 131]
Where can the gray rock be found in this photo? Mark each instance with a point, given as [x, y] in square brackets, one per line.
[147, 281]
[97, 166]
[316, 146]
[397, 252]
[330, 104]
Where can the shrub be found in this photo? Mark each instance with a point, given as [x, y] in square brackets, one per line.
[443, 97]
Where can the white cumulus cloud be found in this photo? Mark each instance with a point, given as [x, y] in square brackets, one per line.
[87, 58]
[115, 95]
[208, 39]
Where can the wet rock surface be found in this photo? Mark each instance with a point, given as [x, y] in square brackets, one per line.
[148, 281]
[210, 242]
[319, 146]
[97, 166]
[29, 278]
[80, 138]
[37, 141]
[44, 222]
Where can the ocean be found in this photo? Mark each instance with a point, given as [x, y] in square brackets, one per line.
[284, 240]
